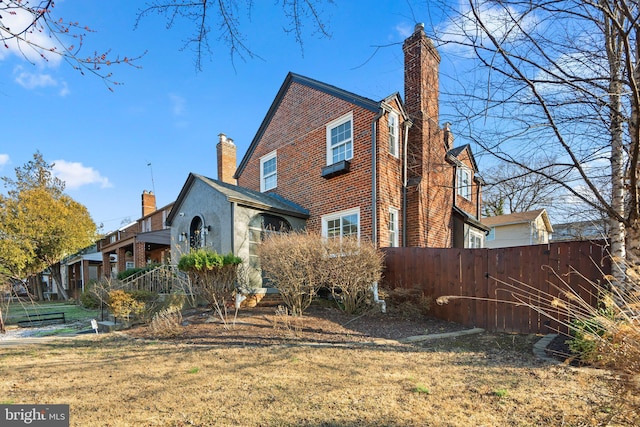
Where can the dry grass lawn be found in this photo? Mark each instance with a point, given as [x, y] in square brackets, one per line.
[487, 380]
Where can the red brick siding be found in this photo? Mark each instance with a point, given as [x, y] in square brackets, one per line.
[226, 157]
[389, 178]
[469, 206]
[430, 203]
[298, 132]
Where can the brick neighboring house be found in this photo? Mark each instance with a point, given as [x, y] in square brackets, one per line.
[146, 240]
[382, 170]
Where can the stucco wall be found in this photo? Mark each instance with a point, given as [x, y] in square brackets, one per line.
[214, 210]
[226, 234]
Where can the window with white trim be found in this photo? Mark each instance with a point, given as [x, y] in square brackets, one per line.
[464, 182]
[475, 239]
[268, 172]
[341, 224]
[340, 139]
[393, 134]
[393, 227]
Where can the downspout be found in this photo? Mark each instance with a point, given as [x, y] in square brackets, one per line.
[239, 295]
[478, 213]
[374, 200]
[82, 273]
[374, 177]
[405, 180]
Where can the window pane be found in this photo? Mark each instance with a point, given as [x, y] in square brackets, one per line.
[350, 225]
[270, 182]
[269, 166]
[333, 228]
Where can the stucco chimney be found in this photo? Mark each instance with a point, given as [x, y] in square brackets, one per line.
[148, 202]
[226, 150]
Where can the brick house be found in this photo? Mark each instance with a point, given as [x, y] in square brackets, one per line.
[382, 170]
[144, 241]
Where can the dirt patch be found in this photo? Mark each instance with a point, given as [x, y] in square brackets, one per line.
[261, 326]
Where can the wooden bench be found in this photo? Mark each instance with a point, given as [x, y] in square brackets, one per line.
[42, 318]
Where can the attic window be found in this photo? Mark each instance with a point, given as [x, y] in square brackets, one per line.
[393, 134]
[340, 139]
[268, 172]
[464, 182]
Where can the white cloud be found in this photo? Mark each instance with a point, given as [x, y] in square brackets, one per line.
[503, 22]
[21, 46]
[178, 104]
[4, 160]
[404, 30]
[75, 174]
[37, 80]
[33, 80]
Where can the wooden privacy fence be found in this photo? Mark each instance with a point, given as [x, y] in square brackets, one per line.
[491, 281]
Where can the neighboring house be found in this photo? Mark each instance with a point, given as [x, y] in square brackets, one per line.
[380, 170]
[518, 229]
[210, 213]
[78, 270]
[580, 230]
[145, 241]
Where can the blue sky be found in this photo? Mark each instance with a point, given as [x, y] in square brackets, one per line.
[168, 114]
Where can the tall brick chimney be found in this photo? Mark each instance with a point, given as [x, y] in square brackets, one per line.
[226, 150]
[421, 83]
[148, 202]
[430, 198]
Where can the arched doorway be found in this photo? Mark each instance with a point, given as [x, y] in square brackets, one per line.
[195, 233]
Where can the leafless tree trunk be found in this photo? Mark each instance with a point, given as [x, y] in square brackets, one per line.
[558, 77]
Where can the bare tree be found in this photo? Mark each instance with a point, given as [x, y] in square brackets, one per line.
[32, 30]
[223, 20]
[558, 77]
[510, 188]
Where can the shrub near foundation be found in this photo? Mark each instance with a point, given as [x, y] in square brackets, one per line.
[353, 266]
[295, 263]
[300, 263]
[122, 305]
[213, 276]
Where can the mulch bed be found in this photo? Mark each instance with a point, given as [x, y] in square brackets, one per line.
[259, 326]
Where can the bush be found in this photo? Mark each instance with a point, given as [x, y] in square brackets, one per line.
[166, 323]
[122, 305]
[213, 277]
[300, 263]
[295, 263]
[353, 266]
[89, 298]
[407, 303]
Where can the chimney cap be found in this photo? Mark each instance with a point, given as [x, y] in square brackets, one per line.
[223, 138]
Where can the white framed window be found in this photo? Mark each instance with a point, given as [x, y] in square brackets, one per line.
[475, 239]
[393, 228]
[268, 171]
[340, 139]
[464, 182]
[341, 224]
[393, 134]
[146, 225]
